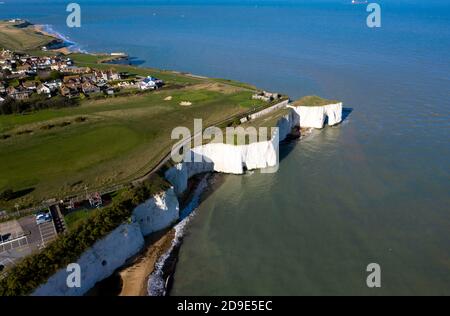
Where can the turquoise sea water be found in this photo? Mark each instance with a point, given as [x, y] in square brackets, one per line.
[373, 189]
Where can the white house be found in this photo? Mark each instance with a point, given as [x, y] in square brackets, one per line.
[43, 89]
[150, 83]
[1, 99]
[54, 84]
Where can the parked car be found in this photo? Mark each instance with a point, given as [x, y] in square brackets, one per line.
[42, 218]
[5, 237]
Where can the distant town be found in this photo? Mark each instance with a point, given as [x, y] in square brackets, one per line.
[23, 75]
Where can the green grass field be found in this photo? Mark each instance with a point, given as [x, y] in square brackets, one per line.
[51, 154]
[313, 100]
[21, 38]
[75, 218]
[121, 139]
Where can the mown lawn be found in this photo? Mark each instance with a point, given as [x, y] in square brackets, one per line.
[121, 139]
[74, 218]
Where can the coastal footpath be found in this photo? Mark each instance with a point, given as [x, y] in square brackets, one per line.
[162, 210]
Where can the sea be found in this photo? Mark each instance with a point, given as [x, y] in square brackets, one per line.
[372, 190]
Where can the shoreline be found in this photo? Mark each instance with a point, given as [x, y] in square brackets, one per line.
[67, 46]
[163, 267]
[151, 271]
[134, 277]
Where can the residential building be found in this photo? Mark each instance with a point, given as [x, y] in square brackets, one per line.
[88, 88]
[43, 89]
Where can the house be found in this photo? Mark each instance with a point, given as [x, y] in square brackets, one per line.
[73, 85]
[150, 83]
[89, 77]
[54, 84]
[126, 84]
[1, 99]
[73, 78]
[68, 92]
[20, 94]
[2, 87]
[10, 90]
[78, 70]
[58, 66]
[266, 96]
[109, 91]
[23, 68]
[29, 85]
[88, 88]
[112, 75]
[65, 91]
[101, 76]
[43, 89]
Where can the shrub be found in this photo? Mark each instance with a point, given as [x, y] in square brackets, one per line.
[7, 195]
[46, 127]
[80, 119]
[35, 103]
[63, 124]
[26, 131]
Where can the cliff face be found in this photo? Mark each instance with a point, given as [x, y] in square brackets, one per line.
[161, 211]
[111, 252]
[314, 116]
[98, 262]
[230, 158]
[157, 213]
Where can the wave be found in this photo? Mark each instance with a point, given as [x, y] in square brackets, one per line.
[71, 45]
[157, 285]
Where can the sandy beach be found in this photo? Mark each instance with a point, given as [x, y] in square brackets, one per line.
[41, 29]
[135, 276]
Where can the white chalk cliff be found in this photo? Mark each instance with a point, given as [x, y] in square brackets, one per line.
[314, 116]
[111, 252]
[97, 263]
[157, 213]
[161, 211]
[232, 159]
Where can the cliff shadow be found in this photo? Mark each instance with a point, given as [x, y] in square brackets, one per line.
[345, 113]
[286, 146]
[9, 195]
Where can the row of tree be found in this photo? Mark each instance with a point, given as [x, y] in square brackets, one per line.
[35, 103]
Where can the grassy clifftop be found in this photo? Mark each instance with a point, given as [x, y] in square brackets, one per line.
[56, 153]
[313, 100]
[22, 36]
[52, 153]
